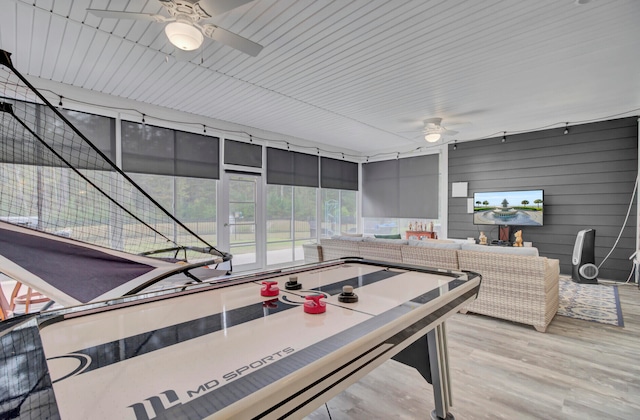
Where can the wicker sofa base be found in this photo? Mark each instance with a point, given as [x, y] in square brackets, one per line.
[522, 289]
[519, 289]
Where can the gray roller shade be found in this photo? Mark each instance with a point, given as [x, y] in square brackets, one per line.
[292, 168]
[161, 151]
[21, 147]
[197, 156]
[406, 188]
[97, 129]
[244, 154]
[338, 174]
[147, 149]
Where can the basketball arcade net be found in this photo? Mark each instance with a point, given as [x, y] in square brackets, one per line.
[55, 180]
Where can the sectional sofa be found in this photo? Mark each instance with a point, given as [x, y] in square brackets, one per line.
[517, 284]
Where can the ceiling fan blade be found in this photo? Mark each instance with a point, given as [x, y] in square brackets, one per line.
[435, 121]
[112, 14]
[449, 132]
[218, 7]
[229, 38]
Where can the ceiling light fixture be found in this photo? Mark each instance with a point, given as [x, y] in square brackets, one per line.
[433, 130]
[184, 36]
[455, 145]
[566, 129]
[432, 137]
[504, 137]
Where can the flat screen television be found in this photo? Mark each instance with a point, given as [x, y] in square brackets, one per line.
[509, 208]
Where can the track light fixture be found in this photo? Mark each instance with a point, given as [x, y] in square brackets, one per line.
[566, 129]
[455, 145]
[204, 128]
[504, 137]
[250, 139]
[60, 102]
[143, 121]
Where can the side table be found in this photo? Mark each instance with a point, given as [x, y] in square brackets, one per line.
[420, 234]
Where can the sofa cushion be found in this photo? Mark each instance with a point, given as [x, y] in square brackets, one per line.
[386, 241]
[440, 241]
[353, 235]
[348, 238]
[434, 244]
[509, 250]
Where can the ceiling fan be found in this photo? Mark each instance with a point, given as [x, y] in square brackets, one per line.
[185, 29]
[433, 130]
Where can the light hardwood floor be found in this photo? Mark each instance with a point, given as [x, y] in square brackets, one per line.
[501, 370]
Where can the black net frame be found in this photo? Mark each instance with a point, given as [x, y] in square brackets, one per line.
[54, 179]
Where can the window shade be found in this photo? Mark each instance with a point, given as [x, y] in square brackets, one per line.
[292, 168]
[97, 129]
[147, 149]
[240, 153]
[405, 188]
[161, 151]
[338, 174]
[197, 156]
[21, 147]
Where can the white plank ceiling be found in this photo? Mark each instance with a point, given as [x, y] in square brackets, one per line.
[355, 75]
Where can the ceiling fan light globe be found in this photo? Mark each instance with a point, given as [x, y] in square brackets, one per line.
[432, 137]
[184, 36]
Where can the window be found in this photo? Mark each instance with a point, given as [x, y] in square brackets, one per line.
[338, 212]
[38, 187]
[393, 226]
[180, 171]
[291, 221]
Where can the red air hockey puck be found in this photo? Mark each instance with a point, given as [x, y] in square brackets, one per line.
[270, 288]
[313, 305]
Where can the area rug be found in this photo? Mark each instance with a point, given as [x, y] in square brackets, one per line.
[591, 302]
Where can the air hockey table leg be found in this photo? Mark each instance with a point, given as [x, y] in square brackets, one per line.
[439, 363]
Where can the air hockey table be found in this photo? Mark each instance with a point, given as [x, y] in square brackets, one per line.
[267, 345]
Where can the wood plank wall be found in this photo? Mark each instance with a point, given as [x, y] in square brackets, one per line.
[588, 177]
